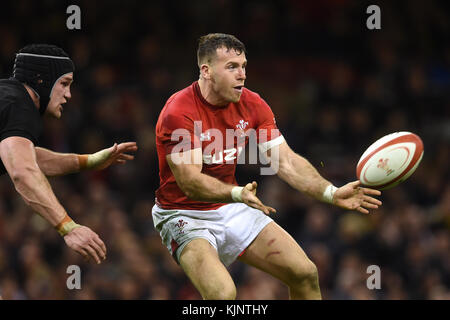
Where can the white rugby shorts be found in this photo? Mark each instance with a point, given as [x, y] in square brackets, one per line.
[229, 229]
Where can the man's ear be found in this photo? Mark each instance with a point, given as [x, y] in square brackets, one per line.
[205, 71]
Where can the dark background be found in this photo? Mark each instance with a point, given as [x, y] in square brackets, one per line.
[334, 87]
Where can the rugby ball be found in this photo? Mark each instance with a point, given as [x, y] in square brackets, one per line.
[390, 160]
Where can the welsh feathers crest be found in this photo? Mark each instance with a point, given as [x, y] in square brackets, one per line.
[242, 124]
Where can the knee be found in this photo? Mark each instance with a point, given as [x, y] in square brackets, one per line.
[228, 294]
[305, 274]
[225, 292]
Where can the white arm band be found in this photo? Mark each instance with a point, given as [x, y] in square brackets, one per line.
[329, 193]
[236, 194]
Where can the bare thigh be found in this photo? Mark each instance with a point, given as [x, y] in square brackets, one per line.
[277, 253]
[202, 265]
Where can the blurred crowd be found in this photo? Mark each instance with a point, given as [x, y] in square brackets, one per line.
[334, 86]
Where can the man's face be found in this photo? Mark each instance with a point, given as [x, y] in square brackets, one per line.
[60, 95]
[228, 74]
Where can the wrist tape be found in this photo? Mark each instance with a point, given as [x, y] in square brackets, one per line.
[329, 193]
[66, 225]
[89, 161]
[236, 194]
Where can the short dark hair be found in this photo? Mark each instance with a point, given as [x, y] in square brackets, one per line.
[44, 49]
[208, 44]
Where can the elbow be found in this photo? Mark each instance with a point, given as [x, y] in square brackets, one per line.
[20, 176]
[284, 170]
[190, 194]
[189, 191]
[187, 186]
[17, 177]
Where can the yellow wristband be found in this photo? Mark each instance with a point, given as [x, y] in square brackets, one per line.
[89, 161]
[97, 158]
[66, 225]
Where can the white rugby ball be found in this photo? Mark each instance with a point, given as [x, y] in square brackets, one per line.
[390, 160]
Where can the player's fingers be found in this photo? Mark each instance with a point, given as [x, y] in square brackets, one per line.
[121, 161]
[259, 207]
[100, 243]
[125, 156]
[91, 252]
[256, 203]
[267, 210]
[355, 183]
[98, 250]
[372, 200]
[369, 205]
[372, 192]
[362, 210]
[132, 148]
[250, 186]
[113, 151]
[271, 210]
[128, 146]
[100, 247]
[83, 253]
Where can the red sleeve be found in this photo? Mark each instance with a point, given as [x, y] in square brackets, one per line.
[267, 131]
[177, 133]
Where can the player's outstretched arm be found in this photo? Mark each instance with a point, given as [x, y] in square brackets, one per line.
[55, 164]
[301, 175]
[19, 158]
[186, 168]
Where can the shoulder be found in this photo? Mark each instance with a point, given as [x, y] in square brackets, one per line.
[9, 90]
[179, 110]
[180, 102]
[256, 105]
[12, 92]
[181, 97]
[251, 96]
[254, 100]
[18, 114]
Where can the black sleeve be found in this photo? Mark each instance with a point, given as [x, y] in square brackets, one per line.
[21, 119]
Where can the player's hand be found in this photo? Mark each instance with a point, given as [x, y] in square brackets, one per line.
[249, 197]
[353, 197]
[87, 243]
[117, 154]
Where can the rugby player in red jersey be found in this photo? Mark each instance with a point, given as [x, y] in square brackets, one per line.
[204, 218]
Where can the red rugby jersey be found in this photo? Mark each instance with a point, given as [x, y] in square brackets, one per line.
[188, 121]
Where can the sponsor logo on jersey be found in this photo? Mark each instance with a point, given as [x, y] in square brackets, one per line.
[218, 157]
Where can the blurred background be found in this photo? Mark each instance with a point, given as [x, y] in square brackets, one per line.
[334, 86]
